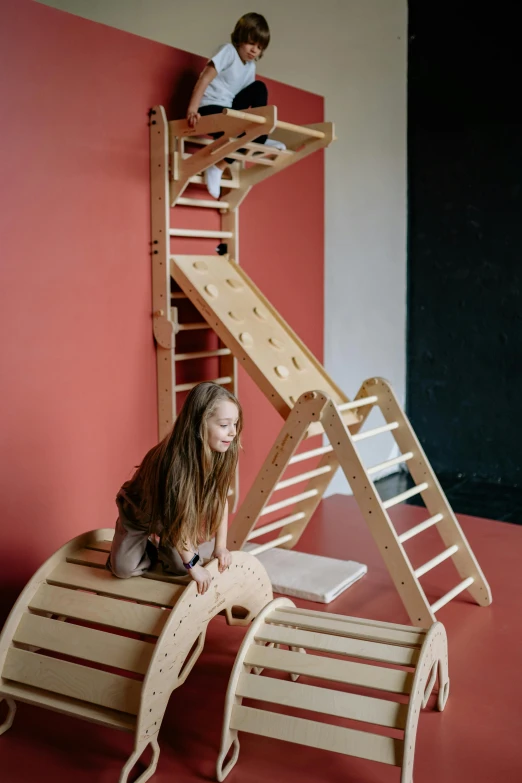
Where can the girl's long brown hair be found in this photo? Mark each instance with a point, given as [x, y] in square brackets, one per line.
[181, 482]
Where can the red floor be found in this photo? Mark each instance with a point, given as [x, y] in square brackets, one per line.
[477, 739]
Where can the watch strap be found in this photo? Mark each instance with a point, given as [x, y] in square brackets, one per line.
[191, 563]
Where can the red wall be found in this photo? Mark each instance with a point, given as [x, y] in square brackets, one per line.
[78, 388]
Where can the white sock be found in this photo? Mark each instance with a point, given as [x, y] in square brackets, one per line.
[213, 180]
[274, 143]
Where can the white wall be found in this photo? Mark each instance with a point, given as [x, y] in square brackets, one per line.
[354, 53]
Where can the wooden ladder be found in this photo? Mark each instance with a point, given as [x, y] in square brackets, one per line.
[179, 157]
[342, 451]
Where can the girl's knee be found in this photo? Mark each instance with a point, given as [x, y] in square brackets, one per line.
[119, 568]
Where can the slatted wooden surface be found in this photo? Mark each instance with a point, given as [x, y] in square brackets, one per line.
[296, 666]
[91, 608]
[318, 735]
[348, 672]
[74, 680]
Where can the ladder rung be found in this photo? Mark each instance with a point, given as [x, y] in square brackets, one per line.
[309, 454]
[260, 531]
[311, 493]
[188, 386]
[300, 129]
[376, 431]
[270, 544]
[201, 202]
[420, 528]
[452, 594]
[350, 406]
[390, 463]
[410, 493]
[196, 232]
[178, 295]
[241, 156]
[190, 326]
[241, 115]
[197, 179]
[449, 552]
[181, 357]
[303, 477]
[251, 145]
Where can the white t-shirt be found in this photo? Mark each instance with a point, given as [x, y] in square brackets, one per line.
[233, 75]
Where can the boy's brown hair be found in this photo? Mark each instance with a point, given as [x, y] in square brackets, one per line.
[251, 28]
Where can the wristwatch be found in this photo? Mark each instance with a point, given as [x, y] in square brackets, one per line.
[192, 563]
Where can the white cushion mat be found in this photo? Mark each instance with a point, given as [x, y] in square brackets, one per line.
[312, 577]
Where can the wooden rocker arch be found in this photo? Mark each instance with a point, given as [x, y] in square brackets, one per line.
[143, 635]
[384, 673]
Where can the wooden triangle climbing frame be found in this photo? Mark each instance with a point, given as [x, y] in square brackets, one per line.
[315, 406]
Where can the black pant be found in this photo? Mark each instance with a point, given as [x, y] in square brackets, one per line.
[256, 94]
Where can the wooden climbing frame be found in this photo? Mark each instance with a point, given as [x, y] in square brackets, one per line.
[53, 653]
[319, 409]
[253, 332]
[179, 157]
[376, 675]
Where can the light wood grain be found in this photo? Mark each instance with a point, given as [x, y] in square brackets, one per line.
[72, 679]
[318, 735]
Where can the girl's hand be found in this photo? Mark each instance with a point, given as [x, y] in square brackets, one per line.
[193, 117]
[224, 558]
[202, 577]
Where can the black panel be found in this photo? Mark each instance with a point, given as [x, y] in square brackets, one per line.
[465, 237]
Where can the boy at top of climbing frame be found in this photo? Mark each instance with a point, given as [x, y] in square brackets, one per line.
[229, 81]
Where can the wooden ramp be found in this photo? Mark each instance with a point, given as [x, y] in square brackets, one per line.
[261, 340]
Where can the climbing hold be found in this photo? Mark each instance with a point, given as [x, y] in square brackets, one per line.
[237, 285]
[201, 266]
[282, 371]
[235, 317]
[298, 363]
[212, 290]
[246, 339]
[260, 314]
[275, 343]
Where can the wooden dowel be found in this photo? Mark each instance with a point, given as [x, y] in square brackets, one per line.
[260, 531]
[309, 454]
[242, 115]
[452, 593]
[420, 528]
[181, 357]
[349, 406]
[270, 544]
[390, 463]
[196, 232]
[200, 202]
[377, 431]
[188, 327]
[410, 493]
[435, 561]
[188, 386]
[289, 501]
[303, 477]
[301, 129]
